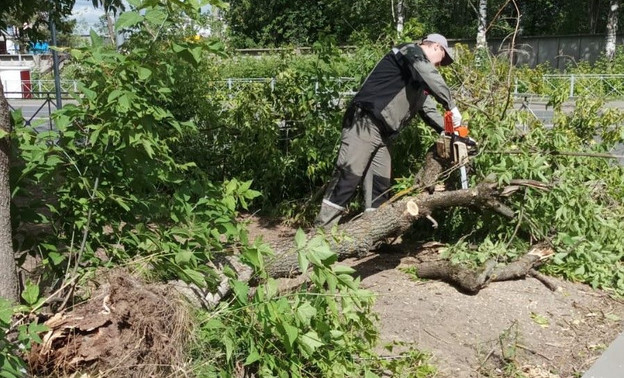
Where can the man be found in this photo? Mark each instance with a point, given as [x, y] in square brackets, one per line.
[396, 90]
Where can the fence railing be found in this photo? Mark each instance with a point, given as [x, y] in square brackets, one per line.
[36, 88]
[38, 111]
[610, 86]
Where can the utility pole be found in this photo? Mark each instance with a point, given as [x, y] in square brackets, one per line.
[55, 59]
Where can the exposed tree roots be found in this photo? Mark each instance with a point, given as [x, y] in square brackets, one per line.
[127, 329]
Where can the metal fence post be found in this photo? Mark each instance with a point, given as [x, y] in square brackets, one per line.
[49, 102]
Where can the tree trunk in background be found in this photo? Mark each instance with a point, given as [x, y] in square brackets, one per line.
[481, 40]
[400, 16]
[612, 28]
[594, 13]
[110, 24]
[8, 271]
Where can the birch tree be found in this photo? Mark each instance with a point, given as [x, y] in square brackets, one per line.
[612, 22]
[482, 15]
[400, 16]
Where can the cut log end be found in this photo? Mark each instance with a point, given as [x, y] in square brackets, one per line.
[411, 208]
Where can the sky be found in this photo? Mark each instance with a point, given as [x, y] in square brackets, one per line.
[86, 15]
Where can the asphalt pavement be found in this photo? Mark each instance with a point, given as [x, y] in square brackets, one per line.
[611, 362]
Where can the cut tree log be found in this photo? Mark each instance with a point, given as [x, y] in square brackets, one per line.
[361, 235]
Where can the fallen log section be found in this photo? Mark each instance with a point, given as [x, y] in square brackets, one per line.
[363, 234]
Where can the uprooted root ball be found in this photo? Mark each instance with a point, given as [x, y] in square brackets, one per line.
[127, 329]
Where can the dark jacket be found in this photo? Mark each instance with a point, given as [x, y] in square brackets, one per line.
[399, 87]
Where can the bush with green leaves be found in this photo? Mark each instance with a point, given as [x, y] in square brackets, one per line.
[324, 328]
[283, 132]
[112, 187]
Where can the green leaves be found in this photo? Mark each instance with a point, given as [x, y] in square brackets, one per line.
[30, 294]
[127, 20]
[28, 331]
[310, 342]
[319, 329]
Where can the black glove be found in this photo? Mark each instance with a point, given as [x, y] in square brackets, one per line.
[471, 144]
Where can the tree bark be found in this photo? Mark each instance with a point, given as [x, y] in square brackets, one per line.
[400, 16]
[8, 271]
[612, 22]
[481, 40]
[392, 219]
[110, 25]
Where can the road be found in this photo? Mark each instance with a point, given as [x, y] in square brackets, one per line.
[36, 112]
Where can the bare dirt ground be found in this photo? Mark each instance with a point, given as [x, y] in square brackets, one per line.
[509, 329]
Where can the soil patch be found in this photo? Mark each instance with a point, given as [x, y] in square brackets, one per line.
[507, 328]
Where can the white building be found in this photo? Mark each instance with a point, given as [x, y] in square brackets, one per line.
[16, 81]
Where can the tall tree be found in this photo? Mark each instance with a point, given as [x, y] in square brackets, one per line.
[400, 16]
[21, 11]
[8, 270]
[612, 23]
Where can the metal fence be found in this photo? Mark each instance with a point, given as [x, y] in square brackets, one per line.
[38, 88]
[36, 111]
[608, 86]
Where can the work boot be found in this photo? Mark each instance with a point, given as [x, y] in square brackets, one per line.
[329, 214]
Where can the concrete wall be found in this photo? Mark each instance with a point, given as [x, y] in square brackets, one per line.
[559, 51]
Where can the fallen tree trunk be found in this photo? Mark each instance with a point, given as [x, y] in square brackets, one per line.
[393, 219]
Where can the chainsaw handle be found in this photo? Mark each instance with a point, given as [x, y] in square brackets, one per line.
[449, 129]
[448, 123]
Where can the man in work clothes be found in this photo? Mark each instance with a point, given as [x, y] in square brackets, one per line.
[399, 86]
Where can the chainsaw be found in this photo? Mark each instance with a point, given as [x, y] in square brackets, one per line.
[454, 144]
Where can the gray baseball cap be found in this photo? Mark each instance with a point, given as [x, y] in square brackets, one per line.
[441, 40]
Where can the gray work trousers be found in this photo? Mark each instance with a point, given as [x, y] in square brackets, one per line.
[364, 157]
